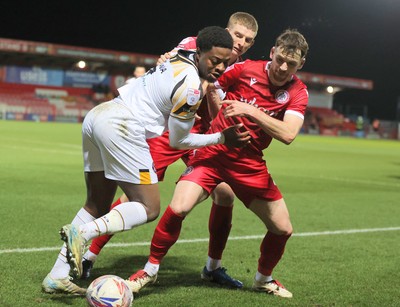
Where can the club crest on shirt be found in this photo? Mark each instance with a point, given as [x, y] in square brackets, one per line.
[193, 96]
[282, 96]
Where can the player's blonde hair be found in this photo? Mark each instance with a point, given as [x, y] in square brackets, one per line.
[244, 19]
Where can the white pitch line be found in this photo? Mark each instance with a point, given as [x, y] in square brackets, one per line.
[301, 234]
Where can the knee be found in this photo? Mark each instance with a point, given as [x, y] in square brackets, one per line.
[182, 209]
[223, 195]
[288, 232]
[152, 211]
[282, 229]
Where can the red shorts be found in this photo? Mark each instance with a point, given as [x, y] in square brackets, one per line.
[249, 179]
[164, 155]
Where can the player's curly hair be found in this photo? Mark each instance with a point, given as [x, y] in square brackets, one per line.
[213, 36]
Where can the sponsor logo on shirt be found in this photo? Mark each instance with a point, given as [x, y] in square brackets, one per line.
[193, 96]
[254, 104]
[282, 96]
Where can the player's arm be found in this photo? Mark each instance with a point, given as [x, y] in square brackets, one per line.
[214, 98]
[284, 131]
[216, 91]
[181, 138]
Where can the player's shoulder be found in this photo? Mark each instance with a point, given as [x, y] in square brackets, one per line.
[184, 60]
[298, 83]
[253, 67]
[184, 68]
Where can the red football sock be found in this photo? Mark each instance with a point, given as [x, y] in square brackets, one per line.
[219, 226]
[272, 249]
[98, 243]
[165, 235]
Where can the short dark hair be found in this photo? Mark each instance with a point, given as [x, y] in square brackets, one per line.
[291, 40]
[213, 36]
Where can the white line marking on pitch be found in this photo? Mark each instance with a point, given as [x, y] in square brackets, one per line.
[301, 234]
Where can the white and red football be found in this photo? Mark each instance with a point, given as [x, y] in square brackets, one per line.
[109, 291]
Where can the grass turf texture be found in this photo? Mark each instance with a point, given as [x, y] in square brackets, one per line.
[330, 184]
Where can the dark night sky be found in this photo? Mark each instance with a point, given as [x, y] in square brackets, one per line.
[352, 38]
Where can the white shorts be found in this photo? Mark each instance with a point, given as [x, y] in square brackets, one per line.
[113, 141]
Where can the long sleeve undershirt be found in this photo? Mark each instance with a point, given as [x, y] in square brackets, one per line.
[181, 138]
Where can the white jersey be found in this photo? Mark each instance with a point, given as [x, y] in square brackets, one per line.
[170, 89]
[115, 133]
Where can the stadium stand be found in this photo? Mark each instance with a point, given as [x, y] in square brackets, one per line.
[41, 82]
[31, 102]
[329, 121]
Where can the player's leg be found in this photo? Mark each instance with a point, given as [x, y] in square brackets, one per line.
[126, 160]
[100, 193]
[58, 279]
[219, 226]
[97, 245]
[143, 207]
[275, 216]
[163, 156]
[186, 196]
[220, 222]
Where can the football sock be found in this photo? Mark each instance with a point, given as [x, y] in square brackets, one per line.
[213, 264]
[124, 217]
[151, 269]
[61, 268]
[262, 278]
[98, 243]
[272, 249]
[219, 227]
[90, 256]
[165, 235]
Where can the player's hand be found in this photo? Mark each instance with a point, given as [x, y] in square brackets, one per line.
[163, 58]
[238, 108]
[235, 138]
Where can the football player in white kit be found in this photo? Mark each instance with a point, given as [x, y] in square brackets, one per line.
[116, 153]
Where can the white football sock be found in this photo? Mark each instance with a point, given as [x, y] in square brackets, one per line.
[213, 264]
[61, 267]
[125, 216]
[90, 256]
[151, 268]
[263, 278]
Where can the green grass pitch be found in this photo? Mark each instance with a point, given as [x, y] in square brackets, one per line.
[343, 195]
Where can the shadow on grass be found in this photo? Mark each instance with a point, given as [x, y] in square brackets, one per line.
[175, 272]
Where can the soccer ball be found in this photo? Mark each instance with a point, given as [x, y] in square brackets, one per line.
[109, 291]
